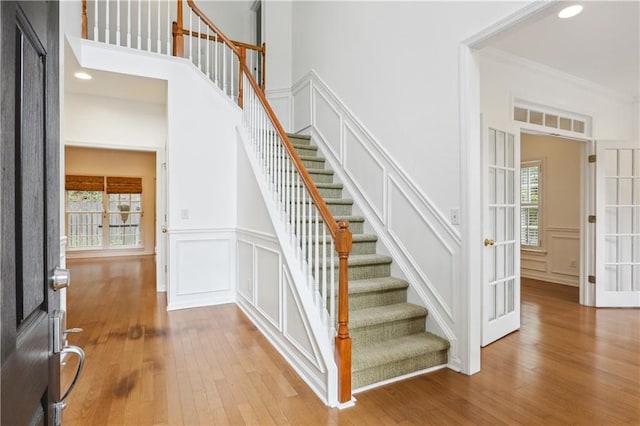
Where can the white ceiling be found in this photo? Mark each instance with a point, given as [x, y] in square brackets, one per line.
[112, 85]
[602, 44]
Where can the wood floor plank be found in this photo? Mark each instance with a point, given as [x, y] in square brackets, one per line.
[568, 364]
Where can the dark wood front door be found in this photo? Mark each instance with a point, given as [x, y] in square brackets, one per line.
[29, 208]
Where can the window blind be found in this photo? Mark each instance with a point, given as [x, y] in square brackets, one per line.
[84, 183]
[124, 185]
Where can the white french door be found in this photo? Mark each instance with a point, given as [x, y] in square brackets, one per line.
[618, 224]
[501, 253]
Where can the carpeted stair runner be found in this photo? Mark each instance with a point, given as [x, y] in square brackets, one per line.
[388, 334]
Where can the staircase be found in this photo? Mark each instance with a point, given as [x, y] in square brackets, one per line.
[388, 334]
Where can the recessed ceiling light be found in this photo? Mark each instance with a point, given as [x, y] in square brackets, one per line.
[569, 12]
[82, 76]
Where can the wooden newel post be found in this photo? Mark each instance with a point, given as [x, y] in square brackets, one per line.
[243, 62]
[343, 340]
[264, 66]
[178, 41]
[84, 20]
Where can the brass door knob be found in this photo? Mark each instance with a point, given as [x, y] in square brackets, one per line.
[488, 242]
[164, 230]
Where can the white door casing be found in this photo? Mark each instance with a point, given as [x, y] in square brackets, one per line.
[501, 218]
[618, 224]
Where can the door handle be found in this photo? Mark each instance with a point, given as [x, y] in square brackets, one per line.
[164, 230]
[488, 242]
[61, 278]
[59, 406]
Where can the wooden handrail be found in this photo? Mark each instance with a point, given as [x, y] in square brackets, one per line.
[210, 37]
[321, 205]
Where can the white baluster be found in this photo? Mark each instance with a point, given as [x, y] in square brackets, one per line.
[324, 269]
[118, 22]
[128, 23]
[215, 57]
[106, 27]
[317, 253]
[95, 21]
[168, 28]
[199, 44]
[310, 243]
[231, 77]
[159, 43]
[297, 207]
[208, 43]
[149, 26]
[224, 68]
[190, 35]
[139, 24]
[304, 228]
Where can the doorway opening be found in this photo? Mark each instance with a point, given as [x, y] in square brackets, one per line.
[110, 202]
[551, 208]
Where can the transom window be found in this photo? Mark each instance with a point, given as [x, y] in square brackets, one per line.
[103, 212]
[530, 203]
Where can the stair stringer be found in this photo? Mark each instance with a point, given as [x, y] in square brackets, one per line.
[325, 387]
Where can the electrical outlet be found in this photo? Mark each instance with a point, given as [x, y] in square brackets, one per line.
[454, 216]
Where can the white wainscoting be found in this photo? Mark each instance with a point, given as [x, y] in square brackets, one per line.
[560, 261]
[426, 249]
[201, 268]
[268, 296]
[280, 101]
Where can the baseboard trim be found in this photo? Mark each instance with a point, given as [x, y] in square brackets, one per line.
[399, 378]
[210, 301]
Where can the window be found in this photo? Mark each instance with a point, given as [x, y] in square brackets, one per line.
[530, 208]
[103, 212]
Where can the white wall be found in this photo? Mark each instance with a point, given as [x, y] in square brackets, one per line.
[268, 294]
[505, 77]
[277, 28]
[101, 121]
[200, 178]
[395, 68]
[559, 261]
[232, 17]
[395, 64]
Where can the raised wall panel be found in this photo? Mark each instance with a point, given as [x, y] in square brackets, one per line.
[302, 107]
[245, 270]
[296, 329]
[566, 254]
[432, 257]
[365, 170]
[267, 267]
[327, 122]
[202, 269]
[280, 101]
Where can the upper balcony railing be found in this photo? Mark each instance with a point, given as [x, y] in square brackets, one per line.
[319, 241]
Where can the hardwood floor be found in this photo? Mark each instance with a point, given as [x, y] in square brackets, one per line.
[567, 365]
